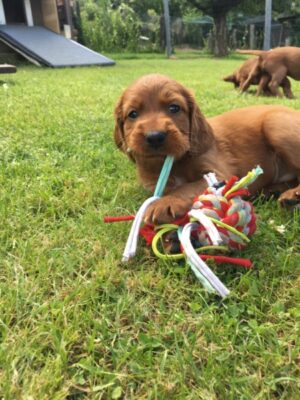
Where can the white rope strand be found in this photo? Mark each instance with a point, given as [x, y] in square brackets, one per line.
[211, 230]
[131, 244]
[192, 256]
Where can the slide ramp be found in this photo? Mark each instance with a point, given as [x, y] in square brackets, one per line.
[42, 46]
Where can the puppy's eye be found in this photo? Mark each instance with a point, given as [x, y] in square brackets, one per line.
[133, 114]
[174, 108]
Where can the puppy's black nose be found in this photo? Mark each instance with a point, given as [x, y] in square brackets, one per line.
[156, 138]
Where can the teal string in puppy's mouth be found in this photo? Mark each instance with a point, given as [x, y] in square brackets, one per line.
[164, 176]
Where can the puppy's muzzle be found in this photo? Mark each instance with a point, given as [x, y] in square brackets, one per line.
[156, 139]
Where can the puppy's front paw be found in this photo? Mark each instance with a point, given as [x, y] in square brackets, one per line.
[166, 209]
[290, 198]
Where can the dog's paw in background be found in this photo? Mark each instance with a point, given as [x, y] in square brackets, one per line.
[290, 198]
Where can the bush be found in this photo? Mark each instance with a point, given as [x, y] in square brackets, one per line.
[108, 29]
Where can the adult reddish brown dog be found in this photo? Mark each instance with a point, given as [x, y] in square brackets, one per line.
[157, 116]
[278, 63]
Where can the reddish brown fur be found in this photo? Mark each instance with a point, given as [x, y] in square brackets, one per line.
[239, 76]
[230, 144]
[249, 69]
[278, 64]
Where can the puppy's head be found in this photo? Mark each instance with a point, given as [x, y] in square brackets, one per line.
[233, 79]
[156, 116]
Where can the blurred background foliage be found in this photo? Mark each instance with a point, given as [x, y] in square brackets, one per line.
[216, 26]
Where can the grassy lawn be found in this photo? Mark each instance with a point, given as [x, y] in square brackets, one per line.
[75, 322]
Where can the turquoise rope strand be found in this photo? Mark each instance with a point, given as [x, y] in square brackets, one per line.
[163, 177]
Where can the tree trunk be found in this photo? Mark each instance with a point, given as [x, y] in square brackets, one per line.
[221, 49]
[162, 33]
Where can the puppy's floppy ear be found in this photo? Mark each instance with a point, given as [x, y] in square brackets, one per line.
[201, 134]
[119, 136]
[118, 131]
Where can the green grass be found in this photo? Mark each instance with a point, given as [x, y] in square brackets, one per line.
[75, 322]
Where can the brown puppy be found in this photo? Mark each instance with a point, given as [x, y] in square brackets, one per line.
[240, 76]
[250, 69]
[278, 64]
[156, 116]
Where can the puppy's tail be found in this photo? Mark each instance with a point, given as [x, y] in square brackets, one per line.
[251, 52]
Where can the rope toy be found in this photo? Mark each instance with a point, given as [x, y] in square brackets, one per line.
[219, 220]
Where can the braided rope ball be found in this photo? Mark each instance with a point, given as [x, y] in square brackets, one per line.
[230, 210]
[222, 219]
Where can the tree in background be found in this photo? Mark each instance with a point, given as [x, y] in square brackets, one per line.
[218, 10]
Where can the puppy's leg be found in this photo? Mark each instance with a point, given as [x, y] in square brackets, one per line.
[242, 83]
[256, 70]
[291, 197]
[174, 204]
[276, 78]
[282, 131]
[245, 84]
[286, 87]
[263, 85]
